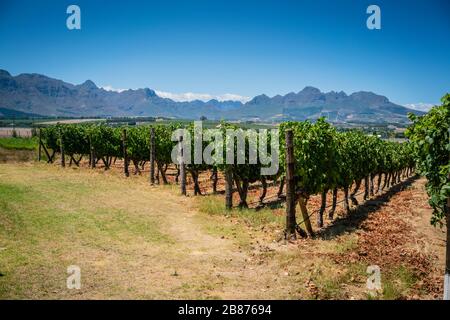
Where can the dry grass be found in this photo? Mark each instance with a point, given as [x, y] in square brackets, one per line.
[8, 156]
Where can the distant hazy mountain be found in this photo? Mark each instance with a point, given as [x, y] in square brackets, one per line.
[38, 94]
[311, 103]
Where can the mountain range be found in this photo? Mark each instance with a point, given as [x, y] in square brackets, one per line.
[35, 94]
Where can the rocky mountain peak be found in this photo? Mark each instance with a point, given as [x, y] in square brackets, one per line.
[88, 85]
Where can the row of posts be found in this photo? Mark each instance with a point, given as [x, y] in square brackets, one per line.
[126, 172]
[152, 148]
[125, 157]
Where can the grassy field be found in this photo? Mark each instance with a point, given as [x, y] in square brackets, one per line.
[135, 241]
[19, 143]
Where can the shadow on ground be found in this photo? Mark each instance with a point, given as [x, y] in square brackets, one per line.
[359, 214]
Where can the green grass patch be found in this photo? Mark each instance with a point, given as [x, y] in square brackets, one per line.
[237, 224]
[331, 284]
[215, 205]
[347, 244]
[398, 283]
[19, 143]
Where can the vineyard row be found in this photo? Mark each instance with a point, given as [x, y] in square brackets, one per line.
[314, 158]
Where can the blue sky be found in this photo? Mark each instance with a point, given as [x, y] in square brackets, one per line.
[240, 47]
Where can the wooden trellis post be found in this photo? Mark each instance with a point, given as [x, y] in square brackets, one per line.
[182, 167]
[61, 145]
[152, 156]
[228, 188]
[447, 252]
[125, 154]
[92, 153]
[40, 146]
[291, 223]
